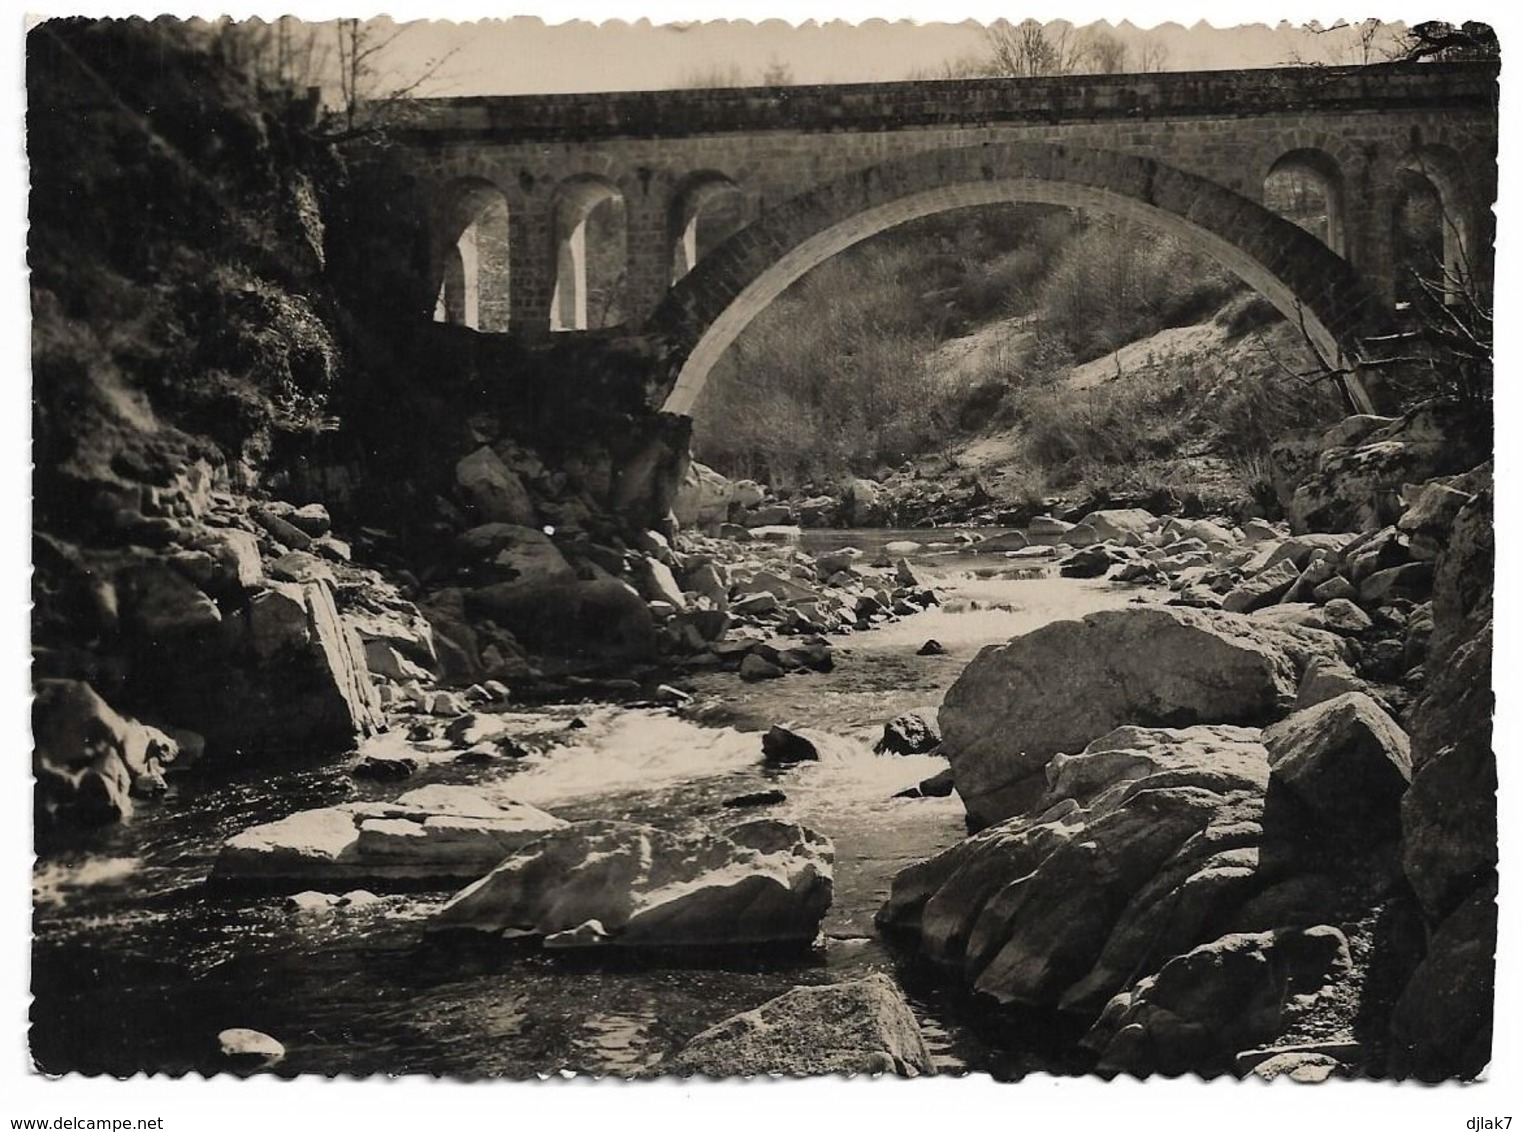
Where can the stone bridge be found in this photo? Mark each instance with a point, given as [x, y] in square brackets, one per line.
[682, 214]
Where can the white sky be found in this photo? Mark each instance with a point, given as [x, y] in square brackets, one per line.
[526, 55]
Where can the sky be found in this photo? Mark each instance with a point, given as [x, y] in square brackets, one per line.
[526, 55]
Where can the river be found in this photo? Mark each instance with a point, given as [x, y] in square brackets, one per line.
[138, 966]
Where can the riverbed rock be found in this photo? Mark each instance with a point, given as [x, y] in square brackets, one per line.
[1357, 484]
[1069, 682]
[492, 490]
[248, 1050]
[754, 668]
[235, 553]
[384, 660]
[762, 882]
[1441, 1026]
[301, 566]
[1348, 763]
[89, 761]
[863, 1026]
[286, 672]
[284, 532]
[1442, 1023]
[1264, 588]
[1091, 561]
[312, 518]
[863, 504]
[575, 621]
[912, 733]
[1127, 525]
[433, 833]
[1047, 530]
[703, 497]
[163, 607]
[656, 582]
[1237, 991]
[1325, 680]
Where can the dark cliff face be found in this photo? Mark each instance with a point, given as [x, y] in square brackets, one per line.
[176, 250]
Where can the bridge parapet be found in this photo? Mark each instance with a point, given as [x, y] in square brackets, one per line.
[969, 102]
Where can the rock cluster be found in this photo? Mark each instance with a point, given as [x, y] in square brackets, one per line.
[1209, 839]
[533, 585]
[235, 625]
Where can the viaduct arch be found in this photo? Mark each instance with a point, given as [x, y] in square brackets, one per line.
[1306, 280]
[799, 173]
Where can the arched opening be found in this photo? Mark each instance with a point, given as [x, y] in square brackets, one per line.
[706, 212]
[472, 257]
[591, 255]
[1306, 281]
[1430, 229]
[1305, 186]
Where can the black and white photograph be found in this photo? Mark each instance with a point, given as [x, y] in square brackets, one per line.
[944, 557]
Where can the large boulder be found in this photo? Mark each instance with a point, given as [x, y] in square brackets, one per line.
[1066, 683]
[435, 833]
[576, 621]
[491, 489]
[1128, 525]
[1264, 588]
[1231, 994]
[863, 504]
[703, 497]
[161, 607]
[335, 702]
[618, 884]
[1348, 764]
[1138, 843]
[235, 555]
[285, 674]
[1442, 1023]
[515, 554]
[88, 760]
[864, 1026]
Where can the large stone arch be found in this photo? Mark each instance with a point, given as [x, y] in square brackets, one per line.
[692, 199]
[1442, 168]
[575, 200]
[703, 313]
[1324, 172]
[471, 252]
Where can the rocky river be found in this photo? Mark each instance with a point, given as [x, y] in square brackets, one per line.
[140, 964]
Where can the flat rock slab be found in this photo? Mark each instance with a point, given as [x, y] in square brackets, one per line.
[610, 883]
[443, 833]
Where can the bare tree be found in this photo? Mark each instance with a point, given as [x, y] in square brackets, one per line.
[1152, 55]
[718, 76]
[777, 73]
[367, 99]
[1099, 52]
[1029, 49]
